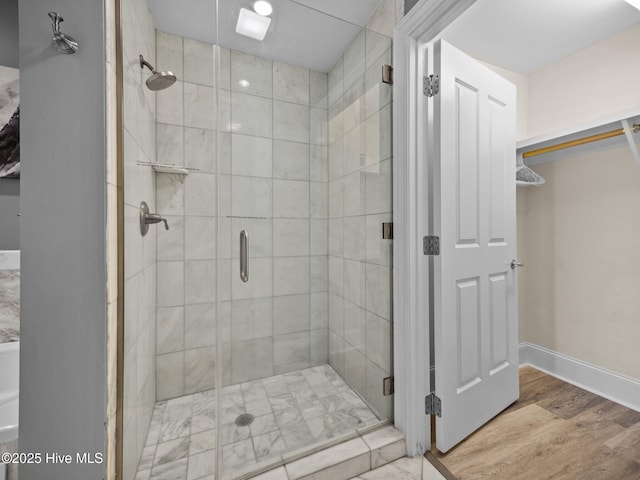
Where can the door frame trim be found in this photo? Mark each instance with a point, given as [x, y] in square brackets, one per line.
[411, 297]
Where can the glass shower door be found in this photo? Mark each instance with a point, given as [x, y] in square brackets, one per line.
[304, 333]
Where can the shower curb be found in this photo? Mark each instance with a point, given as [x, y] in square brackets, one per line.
[346, 460]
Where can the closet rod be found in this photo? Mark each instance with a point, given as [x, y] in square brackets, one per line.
[580, 141]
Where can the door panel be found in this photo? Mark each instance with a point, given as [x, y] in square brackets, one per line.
[467, 161]
[497, 152]
[499, 322]
[468, 332]
[475, 324]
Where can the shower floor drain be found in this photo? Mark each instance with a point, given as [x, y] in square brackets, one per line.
[244, 420]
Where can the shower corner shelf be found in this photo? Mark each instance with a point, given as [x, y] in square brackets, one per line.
[172, 169]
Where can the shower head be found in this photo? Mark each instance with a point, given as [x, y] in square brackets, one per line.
[158, 80]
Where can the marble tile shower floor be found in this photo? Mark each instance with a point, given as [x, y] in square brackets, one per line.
[292, 411]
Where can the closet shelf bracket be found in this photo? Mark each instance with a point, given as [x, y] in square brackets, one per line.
[629, 131]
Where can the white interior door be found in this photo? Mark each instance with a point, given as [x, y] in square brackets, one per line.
[475, 322]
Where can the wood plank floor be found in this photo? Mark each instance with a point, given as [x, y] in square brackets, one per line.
[555, 431]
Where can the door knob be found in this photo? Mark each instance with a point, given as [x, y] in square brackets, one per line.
[515, 263]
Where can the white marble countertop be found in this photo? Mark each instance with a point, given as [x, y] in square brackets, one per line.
[9, 259]
[9, 306]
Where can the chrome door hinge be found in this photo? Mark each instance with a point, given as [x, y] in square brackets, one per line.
[433, 405]
[431, 245]
[387, 386]
[387, 74]
[431, 85]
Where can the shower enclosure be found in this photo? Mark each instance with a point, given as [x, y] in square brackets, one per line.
[258, 325]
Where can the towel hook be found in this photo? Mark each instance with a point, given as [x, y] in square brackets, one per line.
[62, 42]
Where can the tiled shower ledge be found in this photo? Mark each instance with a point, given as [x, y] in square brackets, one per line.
[416, 468]
[347, 460]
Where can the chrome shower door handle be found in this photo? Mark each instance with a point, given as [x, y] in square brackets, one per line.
[244, 256]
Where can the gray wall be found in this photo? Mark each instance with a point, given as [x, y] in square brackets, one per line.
[9, 33]
[9, 189]
[63, 324]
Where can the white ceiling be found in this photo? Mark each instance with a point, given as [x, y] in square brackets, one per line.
[524, 35]
[309, 33]
[353, 11]
[520, 35]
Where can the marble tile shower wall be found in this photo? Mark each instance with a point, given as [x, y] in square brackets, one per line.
[359, 202]
[138, 32]
[273, 176]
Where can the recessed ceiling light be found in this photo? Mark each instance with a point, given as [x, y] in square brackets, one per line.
[252, 25]
[635, 3]
[262, 7]
[244, 83]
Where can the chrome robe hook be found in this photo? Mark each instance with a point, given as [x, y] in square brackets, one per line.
[62, 42]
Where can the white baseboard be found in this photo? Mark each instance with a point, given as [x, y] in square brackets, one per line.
[613, 386]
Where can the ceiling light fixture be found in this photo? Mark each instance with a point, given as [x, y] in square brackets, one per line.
[262, 7]
[252, 25]
[634, 3]
[244, 83]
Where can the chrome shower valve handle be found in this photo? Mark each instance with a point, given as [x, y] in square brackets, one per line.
[147, 219]
[152, 218]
